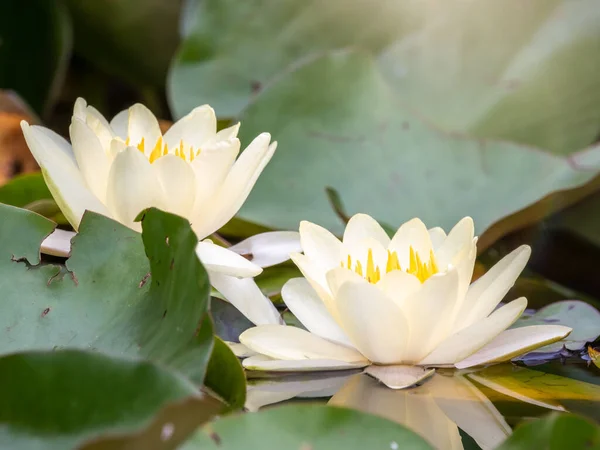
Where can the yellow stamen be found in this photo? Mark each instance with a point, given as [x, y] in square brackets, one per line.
[358, 268]
[140, 146]
[373, 274]
[157, 151]
[392, 262]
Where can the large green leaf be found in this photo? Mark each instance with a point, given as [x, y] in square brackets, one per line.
[524, 72]
[105, 298]
[355, 135]
[24, 189]
[57, 400]
[134, 39]
[556, 432]
[35, 44]
[314, 427]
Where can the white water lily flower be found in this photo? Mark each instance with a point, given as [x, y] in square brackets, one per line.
[124, 166]
[405, 301]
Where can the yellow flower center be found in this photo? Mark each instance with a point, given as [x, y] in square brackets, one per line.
[417, 267]
[187, 153]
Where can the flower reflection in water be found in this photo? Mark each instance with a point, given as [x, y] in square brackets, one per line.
[438, 408]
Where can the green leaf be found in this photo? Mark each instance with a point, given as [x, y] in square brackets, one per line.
[57, 400]
[355, 136]
[583, 318]
[105, 298]
[226, 376]
[24, 189]
[118, 36]
[314, 427]
[556, 432]
[35, 45]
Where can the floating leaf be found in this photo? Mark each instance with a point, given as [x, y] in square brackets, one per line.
[557, 431]
[315, 427]
[358, 127]
[105, 298]
[583, 318]
[226, 376]
[58, 400]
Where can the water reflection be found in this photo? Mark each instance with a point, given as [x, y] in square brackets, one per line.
[471, 401]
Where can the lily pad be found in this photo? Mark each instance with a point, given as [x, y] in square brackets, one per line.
[583, 318]
[356, 136]
[58, 400]
[109, 296]
[315, 427]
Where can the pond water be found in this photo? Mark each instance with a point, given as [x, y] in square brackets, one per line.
[469, 409]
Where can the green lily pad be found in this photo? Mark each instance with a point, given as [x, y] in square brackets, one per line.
[354, 135]
[58, 400]
[555, 432]
[225, 375]
[24, 189]
[315, 427]
[34, 49]
[105, 298]
[583, 318]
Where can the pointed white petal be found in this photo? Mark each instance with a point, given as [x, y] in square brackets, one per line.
[427, 312]
[469, 340]
[484, 295]
[313, 273]
[270, 248]
[361, 227]
[142, 124]
[240, 350]
[222, 260]
[399, 285]
[339, 276]
[399, 376]
[437, 236]
[58, 243]
[291, 343]
[62, 176]
[320, 245]
[99, 125]
[91, 157]
[194, 129]
[373, 322]
[178, 183]
[515, 342]
[132, 187]
[79, 108]
[245, 295]
[309, 309]
[411, 234]
[237, 185]
[261, 362]
[120, 124]
[227, 133]
[460, 236]
[52, 140]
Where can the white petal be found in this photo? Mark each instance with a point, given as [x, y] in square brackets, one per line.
[178, 183]
[515, 342]
[320, 245]
[361, 227]
[194, 129]
[62, 176]
[484, 295]
[58, 243]
[211, 167]
[313, 273]
[265, 363]
[437, 236]
[270, 248]
[399, 285]
[309, 309]
[460, 236]
[240, 350]
[227, 133]
[291, 343]
[50, 139]
[428, 313]
[373, 322]
[132, 187]
[245, 295]
[143, 124]
[469, 340]
[411, 234]
[237, 185]
[99, 125]
[79, 108]
[120, 124]
[222, 260]
[91, 157]
[399, 376]
[339, 276]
